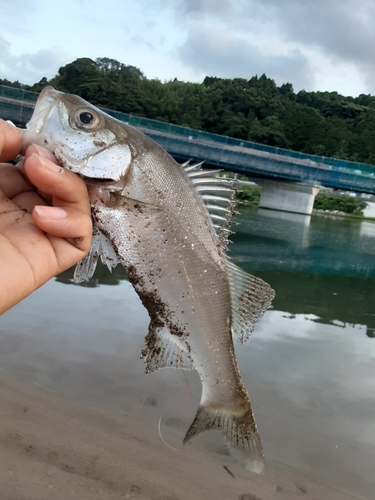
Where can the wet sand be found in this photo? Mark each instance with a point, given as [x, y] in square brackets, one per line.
[52, 447]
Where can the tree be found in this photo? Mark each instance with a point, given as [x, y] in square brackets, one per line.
[269, 131]
[71, 76]
[300, 123]
[38, 87]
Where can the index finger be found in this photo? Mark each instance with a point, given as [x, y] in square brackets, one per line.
[10, 141]
[66, 188]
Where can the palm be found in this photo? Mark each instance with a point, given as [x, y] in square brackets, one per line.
[24, 246]
[35, 245]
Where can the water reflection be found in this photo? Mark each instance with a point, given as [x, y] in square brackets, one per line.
[317, 265]
[323, 378]
[295, 227]
[327, 246]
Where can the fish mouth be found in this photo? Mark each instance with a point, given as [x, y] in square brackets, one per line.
[43, 106]
[93, 180]
[104, 183]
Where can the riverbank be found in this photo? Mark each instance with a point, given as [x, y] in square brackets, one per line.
[324, 213]
[336, 213]
[53, 447]
[337, 205]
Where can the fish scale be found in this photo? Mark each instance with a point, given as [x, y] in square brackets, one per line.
[168, 225]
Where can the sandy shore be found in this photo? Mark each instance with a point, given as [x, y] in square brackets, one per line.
[54, 448]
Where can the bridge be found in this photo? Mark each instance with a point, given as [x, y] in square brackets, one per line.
[298, 175]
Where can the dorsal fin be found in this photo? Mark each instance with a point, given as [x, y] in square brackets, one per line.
[203, 173]
[190, 168]
[186, 163]
[218, 194]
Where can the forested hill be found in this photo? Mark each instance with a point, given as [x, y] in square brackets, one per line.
[322, 123]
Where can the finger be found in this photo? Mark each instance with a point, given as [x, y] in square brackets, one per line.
[39, 150]
[14, 186]
[66, 223]
[27, 201]
[12, 181]
[67, 189]
[10, 141]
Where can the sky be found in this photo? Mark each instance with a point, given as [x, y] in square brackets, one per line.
[325, 45]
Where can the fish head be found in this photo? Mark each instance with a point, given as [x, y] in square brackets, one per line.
[83, 138]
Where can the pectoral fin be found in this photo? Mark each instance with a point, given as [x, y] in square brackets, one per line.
[100, 247]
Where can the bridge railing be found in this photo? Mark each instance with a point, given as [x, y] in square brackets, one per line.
[18, 94]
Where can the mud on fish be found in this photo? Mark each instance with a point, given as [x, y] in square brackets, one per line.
[168, 225]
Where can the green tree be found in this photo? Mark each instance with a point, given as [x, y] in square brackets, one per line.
[300, 123]
[38, 87]
[269, 131]
[71, 76]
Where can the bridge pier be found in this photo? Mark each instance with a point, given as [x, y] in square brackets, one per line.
[287, 196]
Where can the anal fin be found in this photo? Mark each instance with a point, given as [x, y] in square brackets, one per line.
[163, 350]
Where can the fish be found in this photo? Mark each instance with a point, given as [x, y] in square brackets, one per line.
[168, 225]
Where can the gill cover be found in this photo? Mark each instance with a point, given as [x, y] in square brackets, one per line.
[80, 135]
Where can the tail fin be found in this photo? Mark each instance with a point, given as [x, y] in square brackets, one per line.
[239, 429]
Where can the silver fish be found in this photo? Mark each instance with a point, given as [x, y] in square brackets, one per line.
[168, 226]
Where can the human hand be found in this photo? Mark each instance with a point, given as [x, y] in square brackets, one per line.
[45, 220]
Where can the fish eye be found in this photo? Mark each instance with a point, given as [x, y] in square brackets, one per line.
[86, 119]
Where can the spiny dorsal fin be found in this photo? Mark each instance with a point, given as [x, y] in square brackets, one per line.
[189, 168]
[203, 173]
[218, 194]
[251, 297]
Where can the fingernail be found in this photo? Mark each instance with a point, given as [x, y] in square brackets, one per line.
[49, 165]
[41, 151]
[52, 213]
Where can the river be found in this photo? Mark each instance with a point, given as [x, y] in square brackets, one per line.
[309, 366]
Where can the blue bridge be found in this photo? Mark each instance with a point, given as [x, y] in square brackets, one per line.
[296, 173]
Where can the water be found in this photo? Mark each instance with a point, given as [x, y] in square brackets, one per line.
[309, 366]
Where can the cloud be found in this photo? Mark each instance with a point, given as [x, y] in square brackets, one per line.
[213, 7]
[342, 31]
[314, 44]
[140, 40]
[20, 6]
[326, 37]
[226, 55]
[31, 67]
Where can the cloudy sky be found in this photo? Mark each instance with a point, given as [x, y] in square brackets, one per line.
[313, 44]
